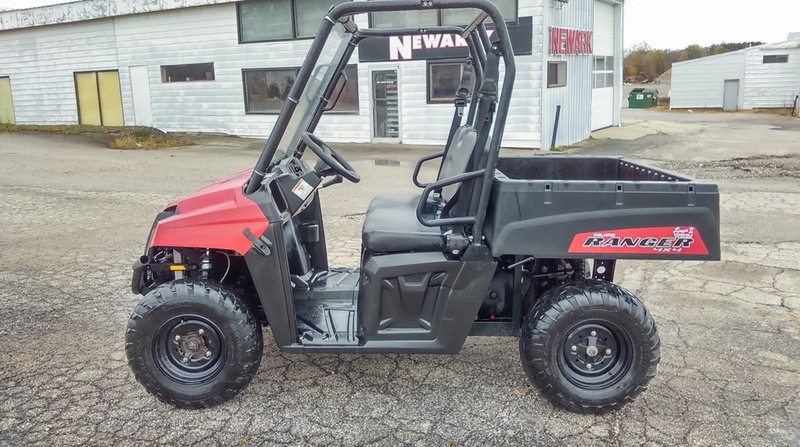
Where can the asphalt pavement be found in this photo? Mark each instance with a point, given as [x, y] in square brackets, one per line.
[74, 215]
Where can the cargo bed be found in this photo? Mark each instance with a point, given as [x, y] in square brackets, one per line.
[600, 207]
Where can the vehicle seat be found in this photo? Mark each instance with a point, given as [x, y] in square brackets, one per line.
[391, 224]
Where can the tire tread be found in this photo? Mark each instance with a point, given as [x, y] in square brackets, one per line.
[567, 298]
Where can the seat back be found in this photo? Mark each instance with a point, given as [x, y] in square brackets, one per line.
[457, 157]
[466, 195]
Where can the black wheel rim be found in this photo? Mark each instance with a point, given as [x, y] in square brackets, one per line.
[189, 349]
[595, 354]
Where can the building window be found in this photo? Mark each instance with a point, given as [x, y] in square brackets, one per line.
[776, 59]
[421, 19]
[444, 78]
[557, 73]
[603, 71]
[187, 73]
[407, 19]
[265, 91]
[265, 20]
[348, 100]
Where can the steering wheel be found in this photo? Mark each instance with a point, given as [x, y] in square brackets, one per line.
[330, 157]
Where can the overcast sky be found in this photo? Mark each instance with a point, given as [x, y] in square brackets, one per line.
[672, 23]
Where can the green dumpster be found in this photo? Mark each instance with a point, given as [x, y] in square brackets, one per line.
[642, 98]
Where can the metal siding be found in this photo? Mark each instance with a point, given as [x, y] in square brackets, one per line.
[423, 123]
[420, 122]
[42, 61]
[771, 85]
[575, 98]
[78, 11]
[700, 82]
[210, 34]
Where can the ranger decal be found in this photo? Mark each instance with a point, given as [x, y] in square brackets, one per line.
[653, 240]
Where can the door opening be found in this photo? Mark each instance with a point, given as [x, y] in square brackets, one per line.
[99, 98]
[730, 95]
[6, 103]
[385, 105]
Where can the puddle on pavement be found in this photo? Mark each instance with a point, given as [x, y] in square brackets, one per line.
[387, 163]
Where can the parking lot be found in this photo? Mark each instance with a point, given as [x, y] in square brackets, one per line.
[74, 215]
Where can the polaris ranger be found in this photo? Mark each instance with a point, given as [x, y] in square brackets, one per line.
[523, 247]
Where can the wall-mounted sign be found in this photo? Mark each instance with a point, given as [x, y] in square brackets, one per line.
[438, 46]
[403, 47]
[570, 41]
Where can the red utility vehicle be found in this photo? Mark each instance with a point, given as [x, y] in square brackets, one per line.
[494, 246]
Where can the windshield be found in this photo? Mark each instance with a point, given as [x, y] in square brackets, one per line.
[322, 74]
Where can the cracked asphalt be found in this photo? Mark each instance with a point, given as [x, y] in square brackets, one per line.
[74, 215]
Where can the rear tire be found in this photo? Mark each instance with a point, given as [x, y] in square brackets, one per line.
[589, 346]
[193, 344]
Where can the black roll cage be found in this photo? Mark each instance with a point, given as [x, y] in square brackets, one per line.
[479, 44]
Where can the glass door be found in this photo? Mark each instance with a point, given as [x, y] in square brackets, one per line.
[385, 105]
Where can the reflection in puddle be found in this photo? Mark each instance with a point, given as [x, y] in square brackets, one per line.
[387, 163]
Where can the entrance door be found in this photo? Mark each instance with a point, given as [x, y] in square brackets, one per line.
[99, 98]
[6, 104]
[730, 95]
[140, 89]
[385, 106]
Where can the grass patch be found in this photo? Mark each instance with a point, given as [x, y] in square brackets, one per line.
[777, 111]
[114, 137]
[65, 129]
[129, 142]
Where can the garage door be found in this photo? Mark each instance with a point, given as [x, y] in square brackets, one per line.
[603, 87]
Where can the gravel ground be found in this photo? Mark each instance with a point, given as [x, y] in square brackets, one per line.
[74, 215]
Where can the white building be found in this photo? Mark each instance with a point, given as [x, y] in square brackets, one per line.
[223, 66]
[766, 76]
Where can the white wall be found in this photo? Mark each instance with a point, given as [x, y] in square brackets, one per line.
[83, 10]
[41, 63]
[575, 98]
[700, 82]
[209, 34]
[771, 85]
[43, 59]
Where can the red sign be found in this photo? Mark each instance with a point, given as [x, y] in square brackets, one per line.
[570, 41]
[652, 241]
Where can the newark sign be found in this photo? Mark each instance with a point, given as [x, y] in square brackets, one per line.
[439, 46]
[570, 41]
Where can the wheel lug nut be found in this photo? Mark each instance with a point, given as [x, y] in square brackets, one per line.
[186, 360]
[589, 366]
[201, 332]
[208, 353]
[177, 338]
[574, 348]
[608, 352]
[594, 334]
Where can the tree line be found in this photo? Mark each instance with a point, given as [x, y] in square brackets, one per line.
[643, 62]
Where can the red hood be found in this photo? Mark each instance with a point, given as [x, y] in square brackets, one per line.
[215, 217]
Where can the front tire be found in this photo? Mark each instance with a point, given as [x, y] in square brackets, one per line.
[589, 346]
[193, 344]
